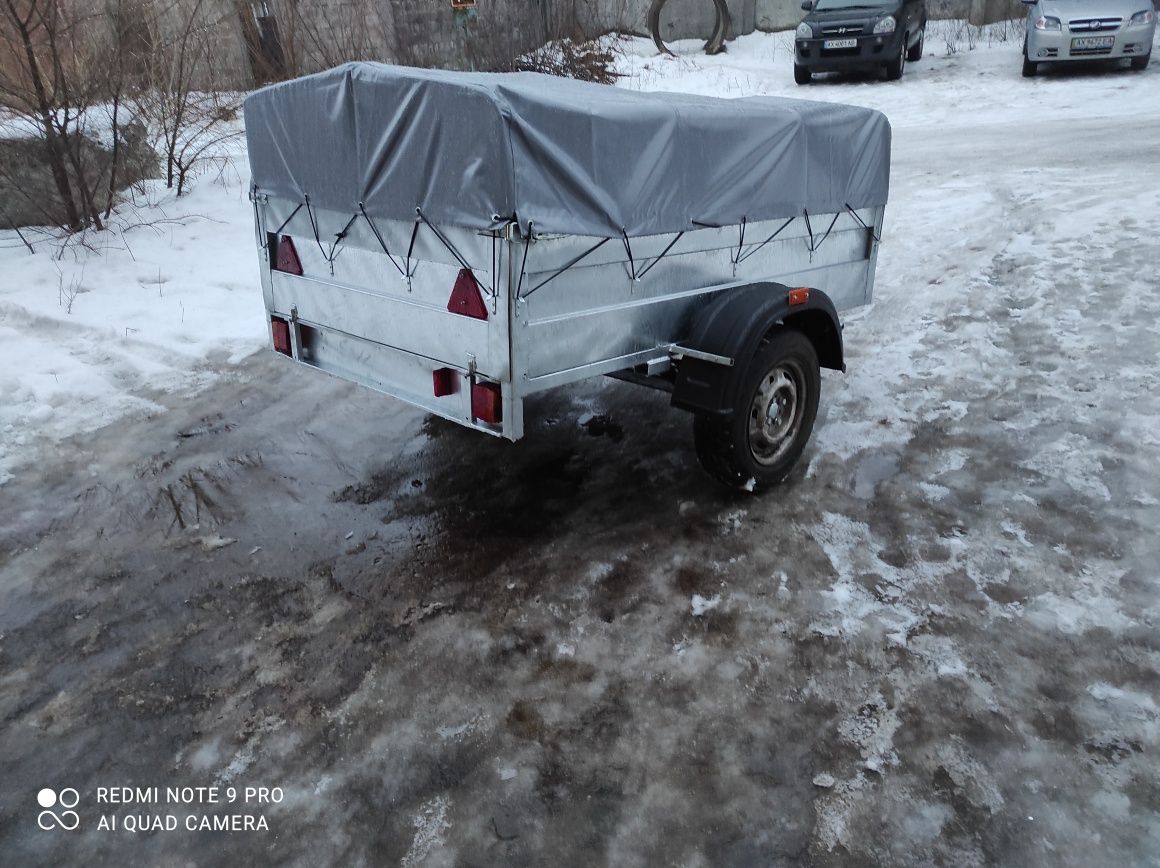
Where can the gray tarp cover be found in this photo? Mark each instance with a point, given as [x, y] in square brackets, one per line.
[568, 156]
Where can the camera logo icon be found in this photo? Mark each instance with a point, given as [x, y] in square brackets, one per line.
[67, 819]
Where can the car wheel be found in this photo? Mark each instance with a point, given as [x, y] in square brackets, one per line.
[1029, 66]
[915, 52]
[801, 74]
[1139, 64]
[777, 403]
[896, 67]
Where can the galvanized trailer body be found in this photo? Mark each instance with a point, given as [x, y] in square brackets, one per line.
[462, 241]
[548, 323]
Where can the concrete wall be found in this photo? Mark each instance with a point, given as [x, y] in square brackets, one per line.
[431, 33]
[320, 33]
[687, 19]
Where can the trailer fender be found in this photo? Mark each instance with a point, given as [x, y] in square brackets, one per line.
[734, 325]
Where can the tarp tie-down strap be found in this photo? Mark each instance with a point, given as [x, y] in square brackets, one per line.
[740, 245]
[631, 262]
[410, 250]
[649, 267]
[559, 271]
[286, 222]
[339, 236]
[382, 243]
[776, 232]
[258, 234]
[815, 245]
[869, 229]
[451, 249]
[524, 264]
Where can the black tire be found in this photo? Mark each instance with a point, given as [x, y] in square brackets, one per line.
[896, 67]
[1139, 64]
[802, 74]
[1029, 67]
[915, 51]
[741, 451]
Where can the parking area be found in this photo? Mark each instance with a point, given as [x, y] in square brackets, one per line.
[936, 643]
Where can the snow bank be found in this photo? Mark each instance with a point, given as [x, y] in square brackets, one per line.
[100, 328]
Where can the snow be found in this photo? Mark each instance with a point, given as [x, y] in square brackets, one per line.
[702, 605]
[953, 84]
[431, 826]
[100, 327]
[168, 301]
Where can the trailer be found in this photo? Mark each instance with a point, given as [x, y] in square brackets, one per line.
[464, 240]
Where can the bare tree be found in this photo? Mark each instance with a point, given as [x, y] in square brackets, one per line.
[186, 115]
[65, 77]
[320, 34]
[36, 84]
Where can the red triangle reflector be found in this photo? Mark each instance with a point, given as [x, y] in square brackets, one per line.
[287, 259]
[466, 299]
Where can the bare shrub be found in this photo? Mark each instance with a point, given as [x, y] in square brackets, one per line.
[587, 61]
[319, 34]
[187, 117]
[959, 35]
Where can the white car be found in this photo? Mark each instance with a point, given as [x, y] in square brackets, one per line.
[1059, 31]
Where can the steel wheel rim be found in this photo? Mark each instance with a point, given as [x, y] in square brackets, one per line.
[775, 414]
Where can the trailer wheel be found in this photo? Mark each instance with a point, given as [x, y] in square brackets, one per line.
[778, 401]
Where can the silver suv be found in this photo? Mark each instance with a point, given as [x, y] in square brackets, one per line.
[1067, 30]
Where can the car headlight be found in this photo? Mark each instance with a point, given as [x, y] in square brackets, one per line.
[1047, 22]
[804, 31]
[886, 25]
[1145, 17]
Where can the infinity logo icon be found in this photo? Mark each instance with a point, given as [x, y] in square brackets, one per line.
[67, 819]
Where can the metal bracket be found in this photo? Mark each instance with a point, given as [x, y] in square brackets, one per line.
[295, 334]
[677, 352]
[657, 366]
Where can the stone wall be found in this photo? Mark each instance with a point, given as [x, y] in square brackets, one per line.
[28, 193]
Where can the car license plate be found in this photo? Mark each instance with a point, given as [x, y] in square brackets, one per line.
[1093, 42]
[840, 43]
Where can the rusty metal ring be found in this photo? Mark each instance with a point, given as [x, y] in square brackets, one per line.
[716, 42]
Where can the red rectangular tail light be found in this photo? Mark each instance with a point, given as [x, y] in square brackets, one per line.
[487, 403]
[445, 381]
[281, 330]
